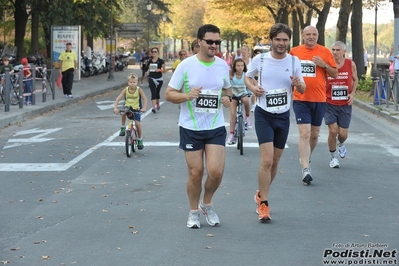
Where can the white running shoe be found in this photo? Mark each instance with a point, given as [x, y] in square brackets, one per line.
[231, 139]
[248, 123]
[334, 163]
[306, 176]
[210, 215]
[193, 219]
[342, 150]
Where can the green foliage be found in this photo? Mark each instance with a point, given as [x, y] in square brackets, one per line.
[365, 83]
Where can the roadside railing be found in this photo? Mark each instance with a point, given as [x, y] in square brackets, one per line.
[40, 75]
[386, 88]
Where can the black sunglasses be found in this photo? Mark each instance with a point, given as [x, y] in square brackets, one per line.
[155, 51]
[210, 42]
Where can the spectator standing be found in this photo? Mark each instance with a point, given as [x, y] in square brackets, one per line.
[396, 61]
[340, 93]
[201, 85]
[317, 62]
[68, 67]
[156, 67]
[278, 72]
[366, 60]
[27, 81]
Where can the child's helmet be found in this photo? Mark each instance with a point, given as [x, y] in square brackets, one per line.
[24, 61]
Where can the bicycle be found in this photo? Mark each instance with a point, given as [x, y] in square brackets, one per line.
[14, 90]
[131, 139]
[239, 130]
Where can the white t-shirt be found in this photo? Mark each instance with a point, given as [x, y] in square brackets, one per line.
[274, 77]
[206, 112]
[366, 59]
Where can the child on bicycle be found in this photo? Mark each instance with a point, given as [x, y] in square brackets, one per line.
[132, 95]
[237, 74]
[27, 81]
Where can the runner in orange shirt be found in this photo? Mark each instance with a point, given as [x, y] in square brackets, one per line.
[317, 62]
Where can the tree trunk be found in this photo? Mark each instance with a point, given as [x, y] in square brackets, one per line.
[321, 22]
[21, 18]
[47, 37]
[296, 38]
[90, 41]
[34, 45]
[357, 36]
[343, 19]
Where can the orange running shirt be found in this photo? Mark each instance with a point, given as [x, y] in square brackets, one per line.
[314, 76]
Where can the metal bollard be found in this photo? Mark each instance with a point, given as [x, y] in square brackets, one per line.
[21, 89]
[33, 86]
[44, 88]
[7, 84]
[52, 77]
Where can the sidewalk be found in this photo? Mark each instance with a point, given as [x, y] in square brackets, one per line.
[96, 85]
[85, 88]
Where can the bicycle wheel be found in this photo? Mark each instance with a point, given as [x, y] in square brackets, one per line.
[134, 140]
[2, 95]
[240, 134]
[14, 96]
[128, 143]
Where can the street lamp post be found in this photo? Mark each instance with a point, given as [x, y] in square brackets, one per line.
[148, 24]
[375, 41]
[111, 62]
[164, 43]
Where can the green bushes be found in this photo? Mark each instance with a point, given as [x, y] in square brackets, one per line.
[365, 83]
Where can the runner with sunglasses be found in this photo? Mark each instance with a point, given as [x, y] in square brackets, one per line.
[201, 85]
[155, 69]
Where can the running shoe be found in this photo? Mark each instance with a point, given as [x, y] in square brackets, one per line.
[306, 176]
[248, 123]
[341, 150]
[231, 140]
[193, 219]
[334, 163]
[122, 132]
[153, 110]
[264, 214]
[70, 96]
[140, 145]
[158, 107]
[210, 215]
[257, 201]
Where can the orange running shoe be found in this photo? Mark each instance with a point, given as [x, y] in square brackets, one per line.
[264, 215]
[257, 201]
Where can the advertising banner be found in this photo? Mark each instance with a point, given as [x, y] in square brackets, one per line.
[60, 36]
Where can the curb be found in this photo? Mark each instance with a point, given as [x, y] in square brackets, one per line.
[382, 113]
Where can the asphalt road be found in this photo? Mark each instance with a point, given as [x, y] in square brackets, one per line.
[70, 196]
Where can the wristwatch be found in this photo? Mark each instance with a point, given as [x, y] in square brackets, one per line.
[326, 66]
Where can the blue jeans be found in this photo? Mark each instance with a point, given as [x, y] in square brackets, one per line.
[28, 89]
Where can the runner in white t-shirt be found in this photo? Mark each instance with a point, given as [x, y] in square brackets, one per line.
[278, 72]
[201, 85]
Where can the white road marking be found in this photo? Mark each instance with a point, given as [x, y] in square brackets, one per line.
[39, 134]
